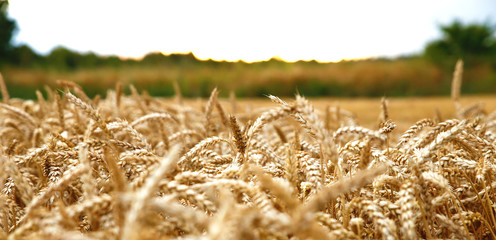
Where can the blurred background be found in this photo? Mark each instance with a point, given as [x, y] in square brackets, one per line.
[251, 48]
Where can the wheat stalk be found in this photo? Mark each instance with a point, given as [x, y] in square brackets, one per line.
[272, 173]
[3, 89]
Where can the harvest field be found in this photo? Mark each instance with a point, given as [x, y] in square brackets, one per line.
[172, 120]
[403, 111]
[136, 167]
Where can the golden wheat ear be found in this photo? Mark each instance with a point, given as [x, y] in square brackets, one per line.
[178, 95]
[232, 100]
[118, 95]
[239, 138]
[456, 84]
[209, 109]
[222, 113]
[78, 90]
[384, 110]
[3, 89]
[73, 169]
[131, 225]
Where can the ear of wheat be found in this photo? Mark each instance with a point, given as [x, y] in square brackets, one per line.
[75, 168]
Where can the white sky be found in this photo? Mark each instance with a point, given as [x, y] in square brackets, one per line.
[247, 30]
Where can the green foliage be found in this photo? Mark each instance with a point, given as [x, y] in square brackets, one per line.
[24, 56]
[7, 28]
[474, 43]
[159, 59]
[63, 59]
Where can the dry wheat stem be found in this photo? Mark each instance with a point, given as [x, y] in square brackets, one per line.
[3, 89]
[128, 167]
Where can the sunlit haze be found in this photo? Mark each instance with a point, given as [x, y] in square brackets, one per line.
[246, 30]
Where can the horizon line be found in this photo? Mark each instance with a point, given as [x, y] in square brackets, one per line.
[277, 58]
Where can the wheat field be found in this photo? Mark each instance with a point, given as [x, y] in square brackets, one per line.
[135, 167]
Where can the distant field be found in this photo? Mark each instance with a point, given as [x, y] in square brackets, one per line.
[404, 111]
[367, 78]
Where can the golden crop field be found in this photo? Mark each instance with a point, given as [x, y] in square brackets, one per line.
[136, 167]
[367, 111]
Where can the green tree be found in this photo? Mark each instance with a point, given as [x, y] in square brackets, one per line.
[62, 58]
[7, 28]
[24, 56]
[474, 43]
